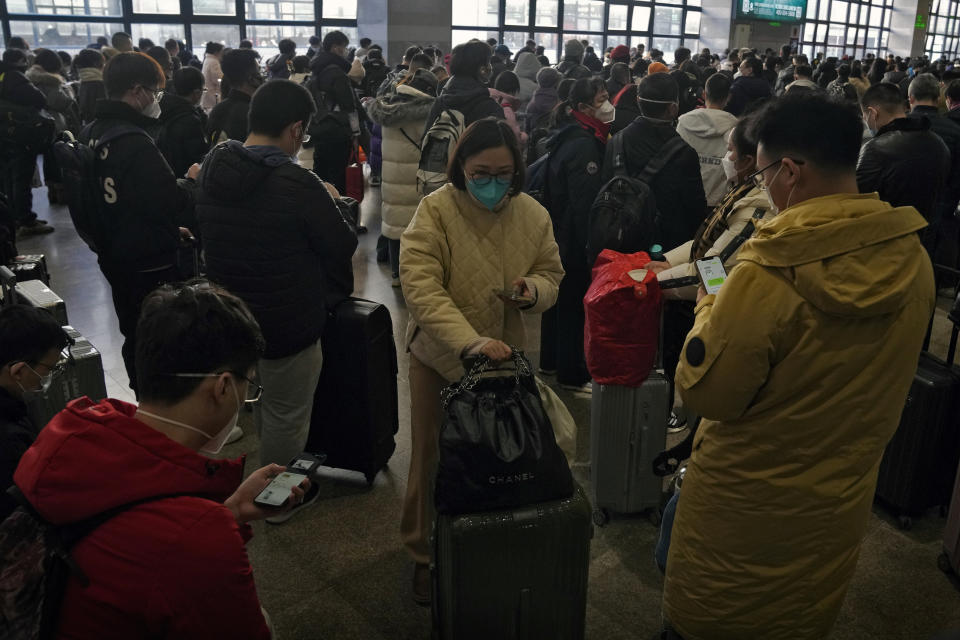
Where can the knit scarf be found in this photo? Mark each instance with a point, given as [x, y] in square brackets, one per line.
[600, 130]
[90, 74]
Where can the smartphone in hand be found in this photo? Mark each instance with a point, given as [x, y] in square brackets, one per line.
[513, 296]
[277, 493]
[712, 274]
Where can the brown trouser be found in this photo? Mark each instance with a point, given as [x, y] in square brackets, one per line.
[416, 521]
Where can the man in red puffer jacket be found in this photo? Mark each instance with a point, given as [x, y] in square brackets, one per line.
[175, 565]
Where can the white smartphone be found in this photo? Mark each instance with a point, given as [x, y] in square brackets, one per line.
[712, 274]
[278, 491]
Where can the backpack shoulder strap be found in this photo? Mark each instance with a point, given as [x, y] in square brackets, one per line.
[619, 157]
[410, 140]
[118, 132]
[745, 234]
[664, 156]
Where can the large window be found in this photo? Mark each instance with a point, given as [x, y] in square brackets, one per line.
[842, 27]
[664, 24]
[73, 24]
[943, 30]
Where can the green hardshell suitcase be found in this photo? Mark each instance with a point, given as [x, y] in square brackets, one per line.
[517, 574]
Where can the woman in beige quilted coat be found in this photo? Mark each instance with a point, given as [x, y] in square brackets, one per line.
[477, 235]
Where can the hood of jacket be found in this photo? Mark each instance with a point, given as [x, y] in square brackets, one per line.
[325, 59]
[528, 66]
[707, 123]
[96, 456]
[90, 74]
[828, 248]
[752, 85]
[404, 105]
[460, 91]
[232, 172]
[172, 105]
[39, 76]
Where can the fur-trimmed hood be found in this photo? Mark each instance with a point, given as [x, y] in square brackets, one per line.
[41, 77]
[405, 105]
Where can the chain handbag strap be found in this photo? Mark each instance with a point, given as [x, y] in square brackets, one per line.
[522, 369]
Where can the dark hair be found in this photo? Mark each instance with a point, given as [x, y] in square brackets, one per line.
[563, 89]
[118, 38]
[856, 69]
[785, 51]
[287, 46]
[468, 58]
[583, 91]
[145, 43]
[744, 137]
[238, 65]
[507, 82]
[421, 61]
[301, 64]
[953, 91]
[885, 95]
[654, 92]
[186, 80]
[335, 39]
[410, 52]
[65, 59]
[843, 71]
[486, 133]
[770, 64]
[214, 47]
[89, 59]
[755, 65]
[17, 42]
[717, 88]
[171, 44]
[162, 56]
[803, 70]
[245, 44]
[48, 60]
[800, 58]
[620, 72]
[365, 42]
[129, 69]
[681, 55]
[15, 57]
[192, 328]
[926, 87]
[278, 104]
[822, 132]
[27, 333]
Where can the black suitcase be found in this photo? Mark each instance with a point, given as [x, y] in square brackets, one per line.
[30, 267]
[355, 412]
[920, 462]
[517, 574]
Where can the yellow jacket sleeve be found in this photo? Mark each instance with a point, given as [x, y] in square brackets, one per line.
[547, 271]
[730, 350]
[424, 259]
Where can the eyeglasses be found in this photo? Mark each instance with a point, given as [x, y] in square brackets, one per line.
[156, 92]
[254, 390]
[54, 370]
[757, 176]
[483, 179]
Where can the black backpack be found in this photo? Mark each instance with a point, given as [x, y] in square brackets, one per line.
[35, 566]
[538, 175]
[23, 128]
[624, 216]
[86, 192]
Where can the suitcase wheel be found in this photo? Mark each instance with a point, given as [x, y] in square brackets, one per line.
[601, 517]
[943, 563]
[905, 523]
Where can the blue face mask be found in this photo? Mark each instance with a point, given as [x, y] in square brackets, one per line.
[489, 194]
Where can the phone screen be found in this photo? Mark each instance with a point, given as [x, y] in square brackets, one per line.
[278, 491]
[712, 274]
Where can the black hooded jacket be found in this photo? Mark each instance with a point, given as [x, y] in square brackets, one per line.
[274, 237]
[338, 116]
[907, 164]
[183, 139]
[145, 204]
[17, 433]
[678, 188]
[470, 97]
[746, 90]
[228, 120]
[16, 88]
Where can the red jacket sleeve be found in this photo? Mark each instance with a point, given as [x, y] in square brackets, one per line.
[206, 589]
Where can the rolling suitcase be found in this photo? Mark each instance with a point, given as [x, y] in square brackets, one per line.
[30, 267]
[920, 462]
[950, 558]
[37, 294]
[518, 574]
[628, 429]
[82, 376]
[355, 411]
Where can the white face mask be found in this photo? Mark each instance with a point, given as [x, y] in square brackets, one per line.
[30, 395]
[152, 110]
[729, 168]
[215, 443]
[607, 113]
[773, 205]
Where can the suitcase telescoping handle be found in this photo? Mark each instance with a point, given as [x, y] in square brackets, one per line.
[8, 282]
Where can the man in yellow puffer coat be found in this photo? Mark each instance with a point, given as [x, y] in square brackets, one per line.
[800, 366]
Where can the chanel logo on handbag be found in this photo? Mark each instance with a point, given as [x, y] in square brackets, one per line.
[511, 479]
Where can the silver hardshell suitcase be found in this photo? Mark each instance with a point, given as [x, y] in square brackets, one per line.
[36, 294]
[82, 376]
[628, 430]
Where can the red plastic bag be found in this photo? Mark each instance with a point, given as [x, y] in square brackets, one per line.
[354, 179]
[622, 328]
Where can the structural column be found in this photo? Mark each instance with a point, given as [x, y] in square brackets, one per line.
[398, 24]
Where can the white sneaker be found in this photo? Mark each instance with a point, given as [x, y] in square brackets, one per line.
[235, 434]
[312, 494]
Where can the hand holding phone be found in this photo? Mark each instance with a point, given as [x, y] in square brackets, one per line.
[519, 296]
[712, 274]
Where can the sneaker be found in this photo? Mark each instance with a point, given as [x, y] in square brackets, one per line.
[585, 389]
[547, 372]
[421, 584]
[395, 282]
[361, 230]
[35, 228]
[312, 494]
[235, 434]
[374, 181]
[676, 423]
